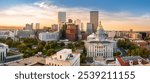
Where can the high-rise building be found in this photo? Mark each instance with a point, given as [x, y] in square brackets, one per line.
[82, 27]
[70, 21]
[61, 17]
[54, 27]
[94, 18]
[89, 28]
[72, 32]
[37, 26]
[78, 23]
[29, 26]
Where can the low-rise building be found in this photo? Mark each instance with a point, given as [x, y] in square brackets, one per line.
[135, 36]
[49, 36]
[131, 61]
[3, 51]
[64, 57]
[103, 48]
[31, 61]
[7, 33]
[25, 34]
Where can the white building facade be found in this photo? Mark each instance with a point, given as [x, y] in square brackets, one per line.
[7, 33]
[64, 57]
[3, 51]
[99, 45]
[104, 49]
[49, 36]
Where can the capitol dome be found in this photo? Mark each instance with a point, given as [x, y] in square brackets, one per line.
[101, 32]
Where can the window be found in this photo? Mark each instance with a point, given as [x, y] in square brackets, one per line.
[60, 56]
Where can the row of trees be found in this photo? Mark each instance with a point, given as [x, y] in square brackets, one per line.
[30, 46]
[133, 49]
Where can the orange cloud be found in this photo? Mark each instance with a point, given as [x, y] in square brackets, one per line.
[46, 14]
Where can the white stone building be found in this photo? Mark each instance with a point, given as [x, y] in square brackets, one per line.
[97, 48]
[3, 51]
[98, 45]
[49, 36]
[64, 57]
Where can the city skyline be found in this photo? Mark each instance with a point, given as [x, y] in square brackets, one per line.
[114, 14]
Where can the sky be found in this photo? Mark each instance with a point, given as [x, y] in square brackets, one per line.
[114, 14]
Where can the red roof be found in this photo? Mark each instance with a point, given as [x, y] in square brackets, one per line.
[122, 62]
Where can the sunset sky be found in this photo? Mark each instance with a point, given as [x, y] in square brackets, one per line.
[114, 14]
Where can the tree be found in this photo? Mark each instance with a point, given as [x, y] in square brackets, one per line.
[71, 46]
[117, 54]
[47, 46]
[22, 47]
[50, 52]
[32, 41]
[15, 44]
[39, 48]
[9, 41]
[43, 43]
[62, 44]
[83, 56]
[28, 53]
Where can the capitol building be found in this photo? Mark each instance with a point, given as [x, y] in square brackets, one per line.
[98, 45]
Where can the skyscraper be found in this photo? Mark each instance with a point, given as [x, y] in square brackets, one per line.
[89, 28]
[29, 26]
[61, 20]
[61, 17]
[78, 23]
[37, 26]
[94, 19]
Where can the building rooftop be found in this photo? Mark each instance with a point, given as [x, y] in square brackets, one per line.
[131, 60]
[63, 57]
[68, 61]
[27, 62]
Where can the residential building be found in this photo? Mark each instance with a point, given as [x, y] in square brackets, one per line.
[135, 36]
[29, 26]
[131, 61]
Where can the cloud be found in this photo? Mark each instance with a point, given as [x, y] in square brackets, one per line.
[46, 14]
